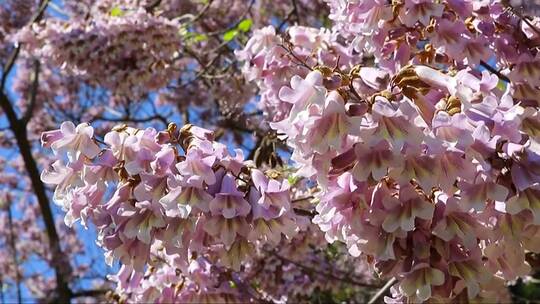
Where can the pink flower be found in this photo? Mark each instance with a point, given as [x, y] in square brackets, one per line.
[528, 199]
[331, 128]
[199, 165]
[508, 258]
[226, 230]
[449, 35]
[271, 230]
[374, 161]
[270, 198]
[456, 223]
[163, 161]
[83, 203]
[475, 196]
[419, 11]
[472, 273]
[419, 281]
[142, 220]
[183, 197]
[403, 211]
[393, 124]
[64, 177]
[74, 141]
[303, 92]
[229, 202]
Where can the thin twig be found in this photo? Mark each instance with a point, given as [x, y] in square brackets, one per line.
[300, 61]
[494, 71]
[383, 290]
[202, 11]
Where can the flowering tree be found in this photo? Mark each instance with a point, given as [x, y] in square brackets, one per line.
[269, 151]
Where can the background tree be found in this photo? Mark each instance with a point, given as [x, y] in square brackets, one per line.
[382, 146]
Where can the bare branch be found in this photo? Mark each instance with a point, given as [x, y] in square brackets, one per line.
[33, 94]
[9, 65]
[135, 120]
[382, 291]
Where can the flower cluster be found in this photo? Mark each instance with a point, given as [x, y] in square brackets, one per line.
[130, 54]
[271, 61]
[202, 282]
[420, 181]
[431, 172]
[170, 195]
[294, 271]
[417, 119]
[458, 33]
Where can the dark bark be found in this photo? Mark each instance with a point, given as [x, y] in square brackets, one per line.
[59, 261]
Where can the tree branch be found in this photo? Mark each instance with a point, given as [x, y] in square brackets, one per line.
[89, 293]
[135, 120]
[33, 94]
[59, 261]
[9, 65]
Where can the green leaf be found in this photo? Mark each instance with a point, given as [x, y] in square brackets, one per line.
[200, 37]
[230, 34]
[116, 12]
[245, 25]
[501, 85]
[183, 31]
[293, 179]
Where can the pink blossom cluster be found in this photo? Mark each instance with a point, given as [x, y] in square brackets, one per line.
[202, 282]
[171, 195]
[130, 53]
[460, 33]
[13, 16]
[430, 172]
[268, 61]
[442, 198]
[293, 271]
[417, 119]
